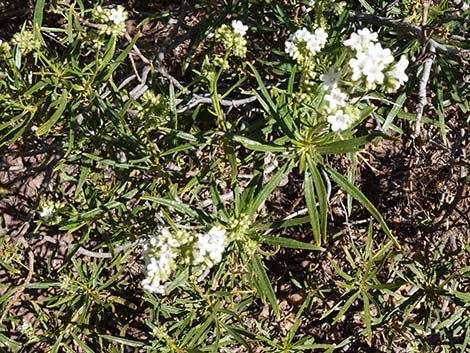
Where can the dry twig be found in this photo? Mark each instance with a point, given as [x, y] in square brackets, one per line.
[423, 83]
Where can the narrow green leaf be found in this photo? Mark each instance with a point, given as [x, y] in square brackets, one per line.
[255, 145]
[96, 211]
[178, 206]
[290, 243]
[264, 91]
[268, 104]
[108, 54]
[55, 347]
[346, 306]
[121, 57]
[339, 271]
[263, 284]
[199, 333]
[320, 191]
[311, 201]
[394, 111]
[81, 344]
[8, 342]
[298, 320]
[44, 128]
[364, 201]
[366, 5]
[367, 319]
[465, 297]
[290, 85]
[122, 340]
[291, 222]
[268, 189]
[84, 172]
[237, 337]
[352, 145]
[38, 14]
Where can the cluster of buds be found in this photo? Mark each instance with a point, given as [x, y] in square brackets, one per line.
[233, 37]
[26, 42]
[234, 42]
[240, 229]
[111, 21]
[153, 108]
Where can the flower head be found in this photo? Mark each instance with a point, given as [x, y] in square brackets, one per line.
[233, 38]
[118, 15]
[302, 44]
[209, 247]
[370, 64]
[361, 40]
[330, 79]
[164, 252]
[47, 212]
[339, 120]
[335, 99]
[397, 73]
[239, 27]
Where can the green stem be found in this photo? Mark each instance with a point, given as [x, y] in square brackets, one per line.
[216, 99]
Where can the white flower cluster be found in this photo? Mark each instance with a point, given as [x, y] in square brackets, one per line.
[165, 251]
[372, 65]
[49, 212]
[375, 64]
[302, 44]
[339, 113]
[208, 248]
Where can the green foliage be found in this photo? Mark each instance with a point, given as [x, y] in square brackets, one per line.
[246, 129]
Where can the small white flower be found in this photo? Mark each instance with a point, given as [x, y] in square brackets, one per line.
[25, 326]
[379, 55]
[330, 79]
[398, 70]
[291, 49]
[335, 99]
[374, 75]
[117, 15]
[301, 35]
[46, 212]
[239, 27]
[321, 36]
[316, 41]
[339, 120]
[361, 40]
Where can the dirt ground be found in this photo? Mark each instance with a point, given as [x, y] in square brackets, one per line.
[421, 186]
